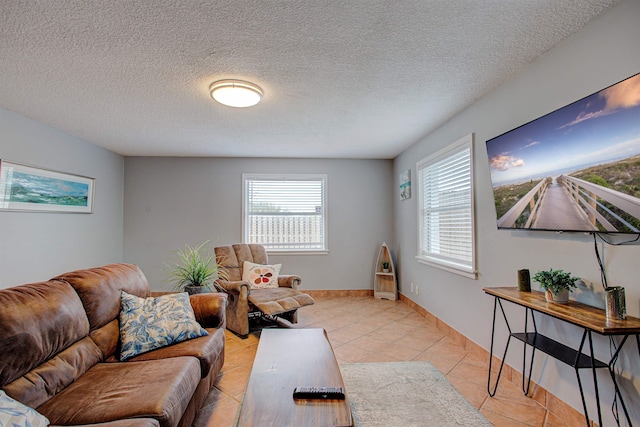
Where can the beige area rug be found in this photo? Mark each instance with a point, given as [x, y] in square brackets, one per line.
[406, 394]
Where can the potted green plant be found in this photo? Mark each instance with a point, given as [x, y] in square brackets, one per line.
[557, 284]
[385, 266]
[195, 270]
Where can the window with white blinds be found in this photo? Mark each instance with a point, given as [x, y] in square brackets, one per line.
[445, 209]
[285, 212]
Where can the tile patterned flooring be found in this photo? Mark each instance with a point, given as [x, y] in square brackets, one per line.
[364, 329]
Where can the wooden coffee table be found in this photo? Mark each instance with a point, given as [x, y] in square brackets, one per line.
[287, 358]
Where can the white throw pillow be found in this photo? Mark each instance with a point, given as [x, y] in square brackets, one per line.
[16, 414]
[261, 276]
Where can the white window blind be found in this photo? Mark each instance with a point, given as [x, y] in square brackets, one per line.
[285, 212]
[445, 209]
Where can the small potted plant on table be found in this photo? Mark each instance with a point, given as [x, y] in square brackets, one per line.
[385, 267]
[557, 284]
[196, 270]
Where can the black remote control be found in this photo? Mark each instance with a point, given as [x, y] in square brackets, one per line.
[318, 393]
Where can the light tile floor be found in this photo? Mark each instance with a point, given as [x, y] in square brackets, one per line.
[364, 329]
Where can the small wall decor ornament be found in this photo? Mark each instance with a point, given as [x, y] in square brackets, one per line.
[405, 185]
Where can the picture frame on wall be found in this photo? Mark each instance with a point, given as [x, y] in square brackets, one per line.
[29, 188]
[405, 185]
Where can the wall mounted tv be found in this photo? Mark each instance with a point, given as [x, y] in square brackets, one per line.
[575, 169]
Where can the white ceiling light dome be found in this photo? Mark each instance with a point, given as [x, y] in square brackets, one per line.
[236, 93]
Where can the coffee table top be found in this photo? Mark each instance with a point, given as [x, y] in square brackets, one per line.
[287, 358]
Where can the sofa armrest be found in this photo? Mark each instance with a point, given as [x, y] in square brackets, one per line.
[289, 281]
[209, 309]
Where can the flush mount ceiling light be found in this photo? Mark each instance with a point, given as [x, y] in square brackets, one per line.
[235, 93]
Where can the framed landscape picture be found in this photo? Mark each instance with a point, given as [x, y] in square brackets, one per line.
[27, 188]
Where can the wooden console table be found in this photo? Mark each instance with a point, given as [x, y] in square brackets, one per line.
[590, 319]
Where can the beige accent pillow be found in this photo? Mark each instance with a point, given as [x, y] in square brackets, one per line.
[261, 276]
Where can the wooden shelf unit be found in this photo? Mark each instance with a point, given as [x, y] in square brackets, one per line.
[385, 285]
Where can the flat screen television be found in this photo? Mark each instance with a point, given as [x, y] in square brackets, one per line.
[576, 169]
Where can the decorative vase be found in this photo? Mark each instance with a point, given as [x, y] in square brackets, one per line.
[561, 297]
[615, 305]
[524, 281]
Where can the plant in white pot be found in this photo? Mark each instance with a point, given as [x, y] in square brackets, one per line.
[195, 270]
[385, 266]
[557, 284]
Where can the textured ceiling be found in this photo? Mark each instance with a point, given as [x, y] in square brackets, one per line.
[341, 78]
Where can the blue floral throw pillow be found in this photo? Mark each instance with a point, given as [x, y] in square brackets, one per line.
[150, 323]
[16, 414]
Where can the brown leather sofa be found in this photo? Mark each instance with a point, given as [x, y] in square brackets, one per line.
[60, 348]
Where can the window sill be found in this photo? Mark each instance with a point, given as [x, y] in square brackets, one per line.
[291, 252]
[449, 267]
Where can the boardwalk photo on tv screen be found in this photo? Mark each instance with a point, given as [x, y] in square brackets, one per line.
[575, 169]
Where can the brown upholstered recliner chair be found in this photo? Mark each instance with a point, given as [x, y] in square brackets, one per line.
[244, 302]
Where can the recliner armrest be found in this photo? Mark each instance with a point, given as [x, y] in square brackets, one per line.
[209, 309]
[236, 288]
[289, 281]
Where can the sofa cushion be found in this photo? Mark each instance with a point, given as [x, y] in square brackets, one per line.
[159, 389]
[37, 321]
[261, 276]
[150, 323]
[208, 350]
[107, 338]
[43, 382]
[16, 414]
[99, 289]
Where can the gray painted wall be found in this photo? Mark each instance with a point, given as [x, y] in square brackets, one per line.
[170, 202]
[36, 246]
[604, 52]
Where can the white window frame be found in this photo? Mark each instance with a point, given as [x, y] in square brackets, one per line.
[426, 254]
[246, 177]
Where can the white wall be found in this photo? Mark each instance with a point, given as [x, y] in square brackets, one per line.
[170, 202]
[36, 246]
[602, 53]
